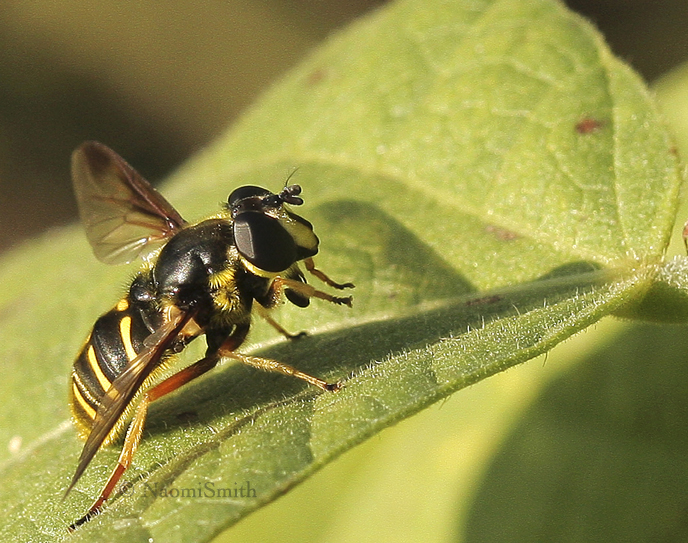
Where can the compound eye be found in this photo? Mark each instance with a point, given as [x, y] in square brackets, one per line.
[248, 191]
[264, 242]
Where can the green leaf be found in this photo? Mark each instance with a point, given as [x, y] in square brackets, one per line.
[599, 456]
[487, 173]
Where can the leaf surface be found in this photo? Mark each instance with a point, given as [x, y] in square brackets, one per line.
[490, 177]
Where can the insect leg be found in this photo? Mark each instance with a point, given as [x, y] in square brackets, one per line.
[276, 325]
[269, 364]
[133, 436]
[310, 266]
[182, 377]
[131, 443]
[310, 292]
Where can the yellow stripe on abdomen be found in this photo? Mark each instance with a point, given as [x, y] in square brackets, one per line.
[125, 333]
[82, 401]
[95, 366]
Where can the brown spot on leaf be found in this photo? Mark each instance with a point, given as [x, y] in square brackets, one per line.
[588, 125]
[501, 234]
[316, 76]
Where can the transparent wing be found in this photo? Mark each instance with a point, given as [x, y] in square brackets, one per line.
[123, 214]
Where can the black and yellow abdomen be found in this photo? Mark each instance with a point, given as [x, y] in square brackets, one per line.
[116, 339]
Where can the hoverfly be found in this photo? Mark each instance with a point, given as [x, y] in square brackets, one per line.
[203, 278]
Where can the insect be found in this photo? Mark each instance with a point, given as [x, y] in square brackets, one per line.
[202, 278]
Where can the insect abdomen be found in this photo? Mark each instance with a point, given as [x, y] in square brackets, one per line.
[116, 339]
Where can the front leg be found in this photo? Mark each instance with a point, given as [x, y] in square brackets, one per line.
[306, 290]
[276, 325]
[310, 266]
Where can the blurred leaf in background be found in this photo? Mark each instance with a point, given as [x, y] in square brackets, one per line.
[154, 81]
[157, 83]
